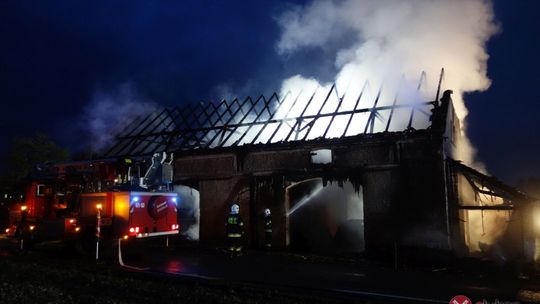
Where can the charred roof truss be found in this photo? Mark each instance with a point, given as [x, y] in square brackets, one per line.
[293, 117]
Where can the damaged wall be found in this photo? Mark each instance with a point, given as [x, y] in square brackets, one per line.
[402, 200]
[412, 193]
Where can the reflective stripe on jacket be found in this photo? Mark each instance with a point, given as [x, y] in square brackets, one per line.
[234, 225]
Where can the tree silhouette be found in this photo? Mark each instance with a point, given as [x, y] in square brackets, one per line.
[26, 152]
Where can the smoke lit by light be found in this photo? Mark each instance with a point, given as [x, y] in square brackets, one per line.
[389, 39]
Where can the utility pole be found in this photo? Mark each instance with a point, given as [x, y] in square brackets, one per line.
[98, 228]
[22, 228]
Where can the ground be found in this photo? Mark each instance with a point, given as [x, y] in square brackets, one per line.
[25, 279]
[183, 274]
[51, 276]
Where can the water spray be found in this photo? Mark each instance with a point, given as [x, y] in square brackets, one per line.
[304, 200]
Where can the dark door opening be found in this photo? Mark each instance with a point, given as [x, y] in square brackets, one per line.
[325, 219]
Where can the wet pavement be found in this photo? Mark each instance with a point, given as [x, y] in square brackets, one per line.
[354, 279]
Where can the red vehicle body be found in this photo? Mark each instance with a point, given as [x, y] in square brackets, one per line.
[82, 200]
[130, 214]
[38, 202]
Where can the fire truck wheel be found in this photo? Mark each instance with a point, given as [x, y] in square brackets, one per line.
[85, 244]
[70, 245]
[28, 242]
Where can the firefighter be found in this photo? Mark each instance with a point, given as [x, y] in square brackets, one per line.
[267, 229]
[235, 229]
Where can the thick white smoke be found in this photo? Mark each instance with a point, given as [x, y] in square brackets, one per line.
[392, 38]
[109, 112]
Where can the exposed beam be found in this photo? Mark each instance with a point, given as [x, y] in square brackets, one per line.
[495, 207]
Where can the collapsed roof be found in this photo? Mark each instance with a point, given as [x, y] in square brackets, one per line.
[483, 184]
[301, 116]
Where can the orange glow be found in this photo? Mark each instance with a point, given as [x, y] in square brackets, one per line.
[125, 237]
[77, 229]
[7, 230]
[121, 206]
[71, 221]
[32, 227]
[23, 208]
[99, 206]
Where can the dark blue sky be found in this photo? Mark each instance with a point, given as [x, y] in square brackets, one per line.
[504, 122]
[55, 54]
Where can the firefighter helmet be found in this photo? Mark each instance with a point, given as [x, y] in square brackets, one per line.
[267, 212]
[235, 209]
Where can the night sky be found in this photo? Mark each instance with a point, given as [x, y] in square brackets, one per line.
[54, 56]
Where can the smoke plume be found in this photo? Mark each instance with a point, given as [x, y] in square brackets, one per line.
[189, 212]
[109, 112]
[391, 38]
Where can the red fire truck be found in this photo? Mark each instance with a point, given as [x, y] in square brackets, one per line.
[36, 205]
[27, 209]
[123, 215]
[99, 201]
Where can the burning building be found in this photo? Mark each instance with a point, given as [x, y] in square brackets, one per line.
[340, 172]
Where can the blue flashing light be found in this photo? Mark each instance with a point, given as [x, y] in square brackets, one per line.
[135, 199]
